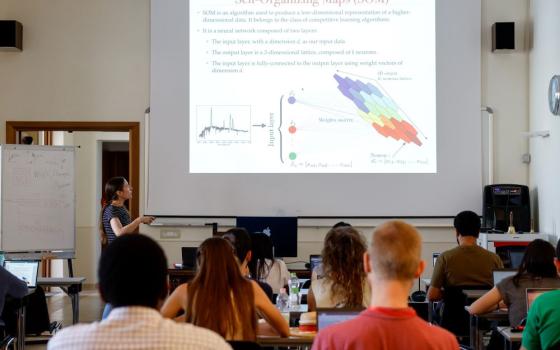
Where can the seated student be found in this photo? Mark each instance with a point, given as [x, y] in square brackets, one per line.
[392, 265]
[537, 270]
[133, 278]
[466, 265]
[37, 318]
[264, 267]
[542, 330]
[341, 280]
[241, 241]
[11, 286]
[221, 299]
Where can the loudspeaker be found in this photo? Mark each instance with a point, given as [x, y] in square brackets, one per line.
[499, 200]
[11, 36]
[503, 36]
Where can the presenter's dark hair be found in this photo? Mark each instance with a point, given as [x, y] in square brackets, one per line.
[241, 240]
[538, 261]
[133, 272]
[467, 223]
[113, 185]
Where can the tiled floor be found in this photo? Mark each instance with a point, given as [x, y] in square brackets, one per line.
[60, 309]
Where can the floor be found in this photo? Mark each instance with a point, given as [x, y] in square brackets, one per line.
[60, 309]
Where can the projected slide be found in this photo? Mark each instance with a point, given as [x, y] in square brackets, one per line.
[304, 86]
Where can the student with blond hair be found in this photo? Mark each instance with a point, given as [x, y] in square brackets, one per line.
[392, 263]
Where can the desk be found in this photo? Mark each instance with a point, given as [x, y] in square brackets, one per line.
[475, 334]
[180, 276]
[475, 293]
[510, 337]
[296, 338]
[71, 286]
[20, 304]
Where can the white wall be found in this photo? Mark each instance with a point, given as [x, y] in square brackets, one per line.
[89, 60]
[88, 198]
[505, 89]
[544, 63]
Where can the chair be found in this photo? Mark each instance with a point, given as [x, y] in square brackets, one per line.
[454, 317]
[244, 345]
[6, 342]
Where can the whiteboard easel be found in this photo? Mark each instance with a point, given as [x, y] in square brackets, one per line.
[37, 201]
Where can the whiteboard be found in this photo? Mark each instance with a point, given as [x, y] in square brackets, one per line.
[37, 198]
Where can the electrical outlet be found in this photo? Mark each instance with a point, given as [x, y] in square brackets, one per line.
[167, 234]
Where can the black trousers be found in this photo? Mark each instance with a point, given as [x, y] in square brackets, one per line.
[36, 314]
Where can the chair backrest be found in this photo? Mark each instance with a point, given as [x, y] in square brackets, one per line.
[454, 317]
[243, 345]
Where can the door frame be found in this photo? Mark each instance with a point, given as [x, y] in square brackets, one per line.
[13, 128]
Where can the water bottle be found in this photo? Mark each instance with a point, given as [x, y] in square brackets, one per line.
[282, 300]
[293, 283]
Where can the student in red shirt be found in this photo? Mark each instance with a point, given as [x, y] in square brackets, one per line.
[392, 263]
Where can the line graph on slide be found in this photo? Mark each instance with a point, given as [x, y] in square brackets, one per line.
[223, 124]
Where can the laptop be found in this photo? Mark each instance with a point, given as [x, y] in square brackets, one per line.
[330, 316]
[189, 257]
[435, 256]
[314, 261]
[534, 293]
[25, 270]
[500, 274]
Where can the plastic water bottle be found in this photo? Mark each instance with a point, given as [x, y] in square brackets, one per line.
[293, 283]
[282, 300]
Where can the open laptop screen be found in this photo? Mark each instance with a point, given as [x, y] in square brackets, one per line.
[314, 261]
[328, 317]
[189, 257]
[25, 270]
[500, 274]
[534, 293]
[283, 231]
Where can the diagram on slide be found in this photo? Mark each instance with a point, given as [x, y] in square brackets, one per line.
[344, 122]
[294, 89]
[224, 124]
[352, 124]
[375, 106]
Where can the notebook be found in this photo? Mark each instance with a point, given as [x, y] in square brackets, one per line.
[189, 257]
[328, 317]
[25, 270]
[500, 274]
[534, 293]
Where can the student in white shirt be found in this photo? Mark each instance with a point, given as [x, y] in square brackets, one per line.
[264, 267]
[133, 278]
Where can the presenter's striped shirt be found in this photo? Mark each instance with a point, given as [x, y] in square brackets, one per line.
[112, 211]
